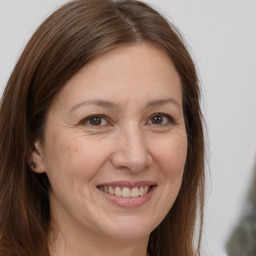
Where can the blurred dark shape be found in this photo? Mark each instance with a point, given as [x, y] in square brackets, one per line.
[242, 241]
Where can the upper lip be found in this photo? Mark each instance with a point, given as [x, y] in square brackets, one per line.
[128, 184]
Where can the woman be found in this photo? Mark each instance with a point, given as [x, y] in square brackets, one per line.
[102, 149]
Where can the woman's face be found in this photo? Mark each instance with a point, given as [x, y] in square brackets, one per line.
[115, 144]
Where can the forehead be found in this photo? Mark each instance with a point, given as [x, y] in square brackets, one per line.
[139, 59]
[139, 70]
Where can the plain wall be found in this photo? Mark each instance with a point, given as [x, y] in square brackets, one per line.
[221, 35]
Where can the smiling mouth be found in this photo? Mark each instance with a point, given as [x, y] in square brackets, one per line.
[125, 192]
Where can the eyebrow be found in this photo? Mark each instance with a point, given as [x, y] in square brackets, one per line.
[161, 102]
[96, 102]
[109, 104]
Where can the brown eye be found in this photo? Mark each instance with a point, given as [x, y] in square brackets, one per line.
[157, 120]
[96, 120]
[99, 121]
[160, 119]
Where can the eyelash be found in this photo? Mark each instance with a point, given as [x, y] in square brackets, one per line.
[88, 120]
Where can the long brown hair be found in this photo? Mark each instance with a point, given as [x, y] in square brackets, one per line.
[70, 38]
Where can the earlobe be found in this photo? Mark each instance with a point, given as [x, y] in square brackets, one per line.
[35, 158]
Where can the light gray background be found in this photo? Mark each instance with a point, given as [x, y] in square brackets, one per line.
[221, 35]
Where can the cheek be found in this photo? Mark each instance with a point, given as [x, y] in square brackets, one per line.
[75, 157]
[171, 158]
[171, 154]
[72, 164]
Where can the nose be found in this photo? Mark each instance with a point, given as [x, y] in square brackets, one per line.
[131, 151]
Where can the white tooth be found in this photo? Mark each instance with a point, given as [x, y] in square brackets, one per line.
[118, 191]
[111, 190]
[141, 191]
[106, 189]
[126, 192]
[135, 192]
[146, 189]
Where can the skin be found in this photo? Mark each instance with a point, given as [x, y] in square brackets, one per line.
[127, 144]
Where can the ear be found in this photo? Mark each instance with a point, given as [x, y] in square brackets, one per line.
[35, 157]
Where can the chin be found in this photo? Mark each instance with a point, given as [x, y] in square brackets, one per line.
[131, 228]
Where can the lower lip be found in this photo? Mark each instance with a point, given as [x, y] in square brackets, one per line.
[129, 202]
